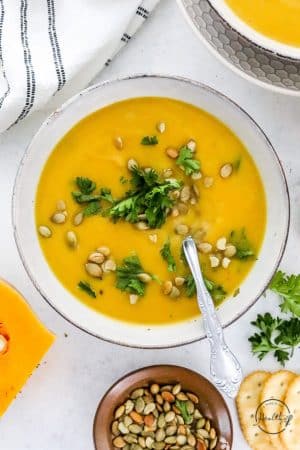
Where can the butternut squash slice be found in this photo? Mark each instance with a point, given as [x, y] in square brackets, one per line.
[23, 343]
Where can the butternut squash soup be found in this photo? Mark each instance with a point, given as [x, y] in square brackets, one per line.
[277, 19]
[123, 188]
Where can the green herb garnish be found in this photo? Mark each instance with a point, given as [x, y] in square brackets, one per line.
[277, 336]
[149, 140]
[85, 185]
[167, 256]
[127, 276]
[288, 288]
[186, 161]
[216, 290]
[239, 239]
[182, 406]
[105, 194]
[86, 287]
[149, 196]
[123, 180]
[92, 209]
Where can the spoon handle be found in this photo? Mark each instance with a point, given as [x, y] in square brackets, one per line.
[224, 367]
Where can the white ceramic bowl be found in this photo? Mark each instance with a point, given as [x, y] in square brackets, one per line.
[60, 122]
[250, 33]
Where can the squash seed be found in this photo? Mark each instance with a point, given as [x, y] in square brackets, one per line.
[221, 243]
[167, 173]
[44, 231]
[78, 219]
[149, 408]
[154, 388]
[137, 393]
[127, 421]
[197, 414]
[166, 407]
[204, 247]
[181, 439]
[191, 440]
[171, 440]
[61, 205]
[119, 412]
[118, 141]
[149, 442]
[93, 269]
[193, 397]
[159, 445]
[142, 441]
[104, 250]
[182, 397]
[177, 388]
[175, 292]
[139, 405]
[200, 423]
[213, 443]
[214, 261]
[144, 277]
[109, 266]
[161, 421]
[196, 176]
[171, 430]
[119, 442]
[114, 428]
[122, 428]
[141, 226]
[153, 238]
[96, 257]
[132, 164]
[203, 433]
[160, 435]
[182, 229]
[226, 170]
[185, 194]
[135, 429]
[167, 287]
[71, 239]
[161, 127]
[226, 262]
[172, 153]
[58, 218]
[207, 425]
[230, 251]
[182, 208]
[166, 387]
[169, 417]
[208, 182]
[190, 407]
[130, 439]
[192, 145]
[129, 405]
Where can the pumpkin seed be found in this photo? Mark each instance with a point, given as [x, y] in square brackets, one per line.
[142, 441]
[167, 173]
[208, 182]
[214, 261]
[71, 239]
[172, 153]
[149, 408]
[171, 440]
[133, 299]
[78, 219]
[61, 205]
[182, 229]
[94, 270]
[129, 405]
[171, 430]
[175, 292]
[196, 176]
[104, 250]
[58, 218]
[153, 238]
[180, 419]
[137, 447]
[96, 257]
[182, 397]
[207, 425]
[137, 393]
[221, 243]
[45, 231]
[179, 281]
[145, 277]
[154, 388]
[160, 435]
[226, 170]
[230, 251]
[203, 433]
[190, 407]
[139, 405]
[170, 416]
[181, 439]
[197, 414]
[177, 388]
[200, 423]
[122, 428]
[213, 443]
[119, 412]
[149, 442]
[191, 440]
[167, 287]
[119, 442]
[109, 266]
[166, 407]
[132, 164]
[185, 194]
[161, 127]
[114, 428]
[130, 439]
[226, 262]
[134, 428]
[127, 421]
[141, 226]
[204, 247]
[118, 141]
[192, 145]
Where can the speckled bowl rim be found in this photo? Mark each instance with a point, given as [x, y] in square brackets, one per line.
[237, 70]
[164, 366]
[102, 85]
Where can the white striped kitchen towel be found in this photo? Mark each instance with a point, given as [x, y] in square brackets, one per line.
[51, 49]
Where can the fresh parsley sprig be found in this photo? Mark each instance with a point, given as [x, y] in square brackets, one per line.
[276, 336]
[288, 288]
[166, 254]
[127, 276]
[86, 287]
[149, 196]
[149, 140]
[216, 290]
[187, 162]
[244, 248]
[86, 195]
[182, 406]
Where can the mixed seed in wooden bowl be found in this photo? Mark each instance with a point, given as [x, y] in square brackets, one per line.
[162, 417]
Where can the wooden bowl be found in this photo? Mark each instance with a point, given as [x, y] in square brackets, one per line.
[212, 404]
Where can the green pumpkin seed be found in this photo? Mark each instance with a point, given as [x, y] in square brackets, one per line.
[149, 408]
[114, 428]
[154, 389]
[176, 389]
[213, 443]
[190, 407]
[200, 423]
[207, 425]
[142, 441]
[170, 416]
[180, 420]
[203, 433]
[181, 439]
[166, 387]
[171, 430]
[139, 405]
[129, 405]
[130, 439]
[197, 414]
[122, 428]
[191, 440]
[135, 429]
[149, 442]
[119, 411]
[161, 422]
[171, 440]
[159, 445]
[160, 435]
[182, 397]
[127, 421]
[45, 231]
[137, 393]
[212, 433]
[166, 407]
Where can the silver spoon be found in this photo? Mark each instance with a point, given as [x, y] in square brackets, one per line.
[225, 369]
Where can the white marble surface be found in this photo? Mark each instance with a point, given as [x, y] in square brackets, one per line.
[55, 410]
